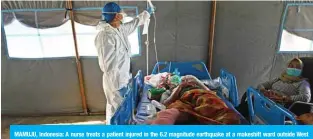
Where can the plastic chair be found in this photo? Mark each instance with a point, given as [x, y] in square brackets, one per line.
[264, 111]
[299, 108]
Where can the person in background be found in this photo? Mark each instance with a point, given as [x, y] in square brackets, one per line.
[114, 53]
[289, 87]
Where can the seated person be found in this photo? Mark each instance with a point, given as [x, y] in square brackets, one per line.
[290, 86]
[286, 89]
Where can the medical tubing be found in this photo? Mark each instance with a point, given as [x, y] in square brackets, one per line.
[147, 47]
[155, 48]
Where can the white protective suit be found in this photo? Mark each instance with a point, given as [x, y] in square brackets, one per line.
[114, 53]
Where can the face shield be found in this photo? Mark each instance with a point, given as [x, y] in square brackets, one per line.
[109, 16]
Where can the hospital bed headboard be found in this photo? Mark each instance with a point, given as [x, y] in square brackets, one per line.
[229, 81]
[197, 69]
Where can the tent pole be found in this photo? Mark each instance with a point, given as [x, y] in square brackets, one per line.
[78, 62]
[211, 35]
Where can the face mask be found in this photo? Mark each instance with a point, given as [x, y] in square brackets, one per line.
[293, 72]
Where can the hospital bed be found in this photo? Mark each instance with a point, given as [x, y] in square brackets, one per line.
[133, 108]
[265, 111]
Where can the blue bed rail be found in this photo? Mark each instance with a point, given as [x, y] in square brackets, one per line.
[264, 111]
[229, 81]
[138, 84]
[124, 115]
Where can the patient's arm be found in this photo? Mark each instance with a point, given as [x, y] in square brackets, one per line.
[263, 87]
[188, 80]
[193, 79]
[175, 93]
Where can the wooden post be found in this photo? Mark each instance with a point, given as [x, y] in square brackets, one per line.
[211, 35]
[78, 62]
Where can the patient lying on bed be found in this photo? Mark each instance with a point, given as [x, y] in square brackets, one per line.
[193, 103]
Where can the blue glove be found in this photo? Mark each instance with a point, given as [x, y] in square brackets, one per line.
[151, 10]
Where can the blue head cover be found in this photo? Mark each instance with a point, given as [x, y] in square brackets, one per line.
[109, 11]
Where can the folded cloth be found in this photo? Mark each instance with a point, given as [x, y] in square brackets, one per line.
[206, 107]
[213, 84]
[155, 80]
[165, 117]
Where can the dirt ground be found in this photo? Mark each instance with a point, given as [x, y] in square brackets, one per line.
[76, 120]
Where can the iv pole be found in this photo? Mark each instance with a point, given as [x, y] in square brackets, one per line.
[149, 3]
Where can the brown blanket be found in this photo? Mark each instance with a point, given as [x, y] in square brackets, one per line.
[205, 107]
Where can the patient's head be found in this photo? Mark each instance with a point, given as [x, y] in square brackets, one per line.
[295, 67]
